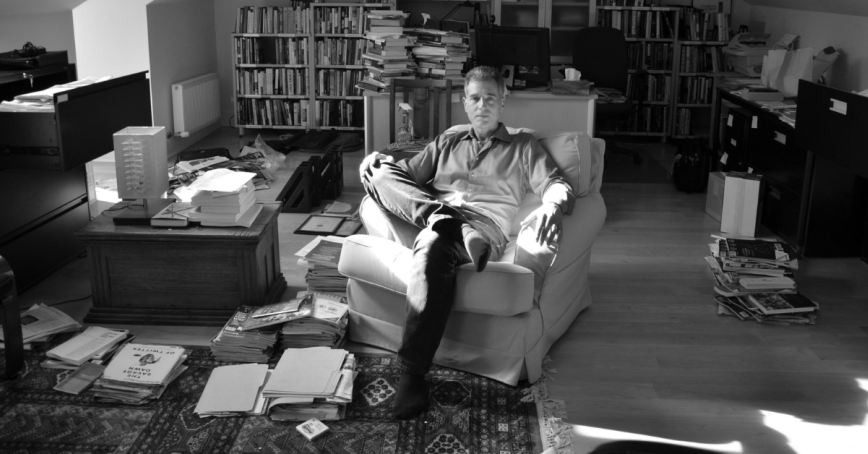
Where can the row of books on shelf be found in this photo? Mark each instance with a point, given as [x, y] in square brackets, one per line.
[341, 112]
[754, 280]
[279, 51]
[338, 82]
[702, 59]
[649, 55]
[628, 3]
[654, 119]
[699, 25]
[274, 19]
[340, 19]
[657, 87]
[271, 81]
[695, 90]
[683, 118]
[639, 23]
[339, 51]
[273, 112]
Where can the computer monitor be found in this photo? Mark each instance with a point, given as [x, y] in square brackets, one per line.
[527, 48]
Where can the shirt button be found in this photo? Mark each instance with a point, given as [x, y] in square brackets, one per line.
[472, 175]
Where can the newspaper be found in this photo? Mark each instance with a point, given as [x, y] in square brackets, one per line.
[41, 320]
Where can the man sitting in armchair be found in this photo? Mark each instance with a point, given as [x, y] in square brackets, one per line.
[463, 191]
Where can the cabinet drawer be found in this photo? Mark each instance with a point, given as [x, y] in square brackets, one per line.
[781, 211]
[775, 155]
[736, 139]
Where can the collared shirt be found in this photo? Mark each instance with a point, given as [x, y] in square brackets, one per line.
[490, 177]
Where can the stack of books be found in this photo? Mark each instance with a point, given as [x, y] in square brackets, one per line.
[251, 335]
[319, 390]
[441, 54]
[232, 206]
[754, 280]
[325, 327]
[95, 344]
[321, 257]
[40, 324]
[387, 56]
[140, 373]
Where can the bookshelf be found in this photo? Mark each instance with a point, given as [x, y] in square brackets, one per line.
[651, 34]
[296, 66]
[699, 61]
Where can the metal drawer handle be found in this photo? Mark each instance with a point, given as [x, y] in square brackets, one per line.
[780, 137]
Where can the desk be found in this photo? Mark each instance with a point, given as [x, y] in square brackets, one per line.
[541, 111]
[192, 276]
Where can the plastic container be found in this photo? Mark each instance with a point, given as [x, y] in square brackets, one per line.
[745, 52]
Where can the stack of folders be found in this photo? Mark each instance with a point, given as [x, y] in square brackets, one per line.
[234, 390]
[41, 323]
[326, 326]
[140, 373]
[319, 390]
[252, 332]
[233, 208]
[321, 257]
[754, 280]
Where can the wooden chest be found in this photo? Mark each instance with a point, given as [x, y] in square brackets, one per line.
[186, 276]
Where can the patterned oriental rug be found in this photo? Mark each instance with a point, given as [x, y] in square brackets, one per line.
[469, 414]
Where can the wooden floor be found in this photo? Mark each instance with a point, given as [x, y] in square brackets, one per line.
[650, 359]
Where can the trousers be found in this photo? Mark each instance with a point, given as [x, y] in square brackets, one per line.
[431, 289]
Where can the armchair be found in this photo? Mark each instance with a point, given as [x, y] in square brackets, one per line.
[497, 328]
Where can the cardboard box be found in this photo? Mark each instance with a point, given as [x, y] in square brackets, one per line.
[741, 204]
[714, 194]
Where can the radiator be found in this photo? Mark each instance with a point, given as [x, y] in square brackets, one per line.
[196, 103]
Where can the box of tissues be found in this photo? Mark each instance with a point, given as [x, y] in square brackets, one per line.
[572, 84]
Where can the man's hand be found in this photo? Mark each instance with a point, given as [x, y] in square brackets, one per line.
[549, 219]
[372, 161]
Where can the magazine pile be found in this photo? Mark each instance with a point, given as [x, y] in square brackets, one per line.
[251, 334]
[321, 256]
[326, 325]
[754, 280]
[321, 389]
[140, 373]
[224, 198]
[41, 323]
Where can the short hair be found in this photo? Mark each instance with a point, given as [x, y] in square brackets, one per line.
[485, 74]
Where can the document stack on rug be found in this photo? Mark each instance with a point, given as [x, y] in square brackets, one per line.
[224, 198]
[41, 323]
[754, 281]
[321, 257]
[321, 389]
[325, 327]
[95, 344]
[251, 334]
[140, 373]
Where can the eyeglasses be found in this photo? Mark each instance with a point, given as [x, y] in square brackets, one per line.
[488, 100]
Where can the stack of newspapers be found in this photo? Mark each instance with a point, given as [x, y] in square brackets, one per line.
[321, 389]
[140, 373]
[321, 257]
[41, 323]
[224, 198]
[754, 280]
[325, 326]
[251, 334]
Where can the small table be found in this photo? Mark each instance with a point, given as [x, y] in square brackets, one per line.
[185, 276]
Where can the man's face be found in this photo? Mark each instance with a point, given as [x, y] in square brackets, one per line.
[483, 105]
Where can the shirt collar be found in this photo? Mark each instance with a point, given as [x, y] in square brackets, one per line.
[501, 133]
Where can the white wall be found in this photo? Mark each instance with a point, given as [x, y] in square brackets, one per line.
[181, 46]
[51, 30]
[111, 37]
[846, 33]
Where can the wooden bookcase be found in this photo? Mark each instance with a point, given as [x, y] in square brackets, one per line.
[295, 67]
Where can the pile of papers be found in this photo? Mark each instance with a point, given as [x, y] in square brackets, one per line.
[43, 100]
[321, 257]
[224, 198]
[95, 344]
[40, 323]
[326, 326]
[288, 392]
[754, 281]
[441, 54]
[140, 373]
[235, 344]
[319, 390]
[386, 56]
